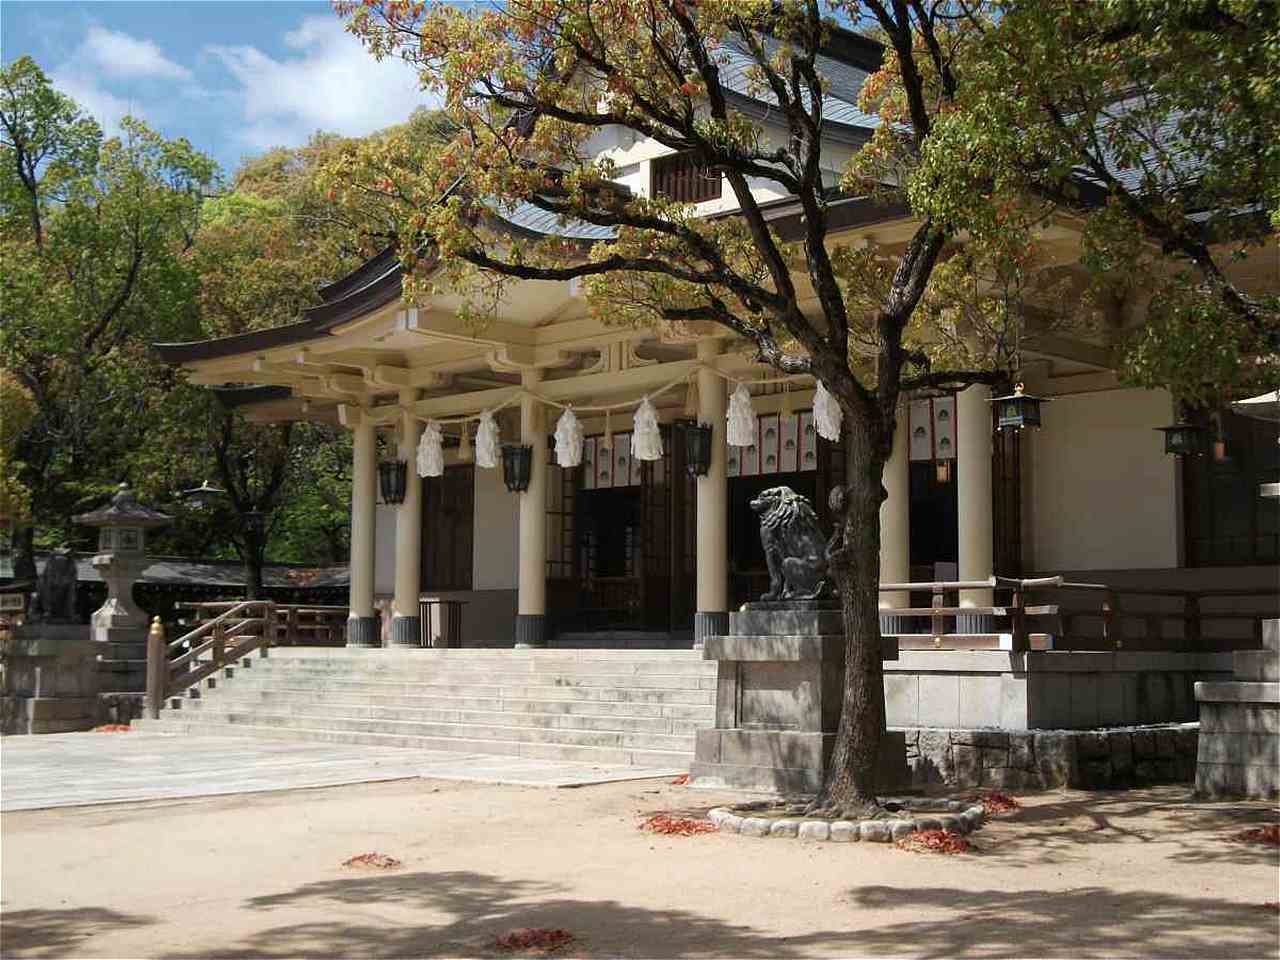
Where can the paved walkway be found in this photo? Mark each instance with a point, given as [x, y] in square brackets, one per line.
[80, 769]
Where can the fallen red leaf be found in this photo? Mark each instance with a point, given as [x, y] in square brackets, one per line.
[112, 728]
[379, 861]
[536, 939]
[676, 826]
[997, 802]
[934, 841]
[681, 780]
[1268, 834]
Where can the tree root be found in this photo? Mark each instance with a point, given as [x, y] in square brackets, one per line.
[858, 810]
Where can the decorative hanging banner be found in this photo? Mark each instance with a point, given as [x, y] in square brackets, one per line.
[827, 415]
[464, 445]
[487, 442]
[742, 418]
[568, 439]
[431, 451]
[646, 438]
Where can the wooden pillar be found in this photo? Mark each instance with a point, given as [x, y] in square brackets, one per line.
[973, 491]
[406, 626]
[895, 525]
[362, 623]
[531, 599]
[712, 506]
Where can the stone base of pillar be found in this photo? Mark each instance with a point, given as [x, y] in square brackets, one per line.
[363, 632]
[531, 630]
[406, 631]
[709, 623]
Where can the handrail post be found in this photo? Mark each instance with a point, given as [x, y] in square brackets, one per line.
[1112, 632]
[1192, 630]
[157, 667]
[1018, 622]
[938, 621]
[219, 644]
[291, 626]
[269, 624]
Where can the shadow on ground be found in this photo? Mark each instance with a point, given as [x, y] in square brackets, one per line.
[58, 933]
[463, 912]
[1085, 922]
[1199, 833]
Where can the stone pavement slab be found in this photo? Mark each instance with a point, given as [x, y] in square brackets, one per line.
[81, 769]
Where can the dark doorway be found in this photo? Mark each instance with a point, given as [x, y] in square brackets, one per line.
[448, 510]
[934, 518]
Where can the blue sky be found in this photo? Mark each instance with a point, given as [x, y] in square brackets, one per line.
[232, 77]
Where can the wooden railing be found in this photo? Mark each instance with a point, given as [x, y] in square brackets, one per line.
[1052, 612]
[181, 664]
[297, 625]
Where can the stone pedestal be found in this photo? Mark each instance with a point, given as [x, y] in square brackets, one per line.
[1239, 749]
[778, 694]
[50, 680]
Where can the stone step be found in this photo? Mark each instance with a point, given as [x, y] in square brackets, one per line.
[460, 731]
[673, 760]
[370, 711]
[1256, 664]
[267, 696]
[488, 678]
[462, 670]
[397, 689]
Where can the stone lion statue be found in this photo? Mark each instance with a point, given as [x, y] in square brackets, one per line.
[55, 598]
[793, 545]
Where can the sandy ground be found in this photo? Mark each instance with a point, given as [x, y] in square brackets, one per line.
[1071, 875]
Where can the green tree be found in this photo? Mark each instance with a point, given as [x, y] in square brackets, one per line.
[528, 84]
[92, 233]
[1158, 122]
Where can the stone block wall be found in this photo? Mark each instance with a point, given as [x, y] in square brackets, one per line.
[1045, 759]
[1240, 725]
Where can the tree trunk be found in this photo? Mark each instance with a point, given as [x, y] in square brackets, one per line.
[24, 552]
[254, 549]
[850, 787]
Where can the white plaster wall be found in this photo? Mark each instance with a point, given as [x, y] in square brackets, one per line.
[633, 154]
[1103, 494]
[496, 532]
[384, 550]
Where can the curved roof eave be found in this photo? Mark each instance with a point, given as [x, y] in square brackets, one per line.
[381, 276]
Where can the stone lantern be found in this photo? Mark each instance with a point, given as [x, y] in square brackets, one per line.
[121, 558]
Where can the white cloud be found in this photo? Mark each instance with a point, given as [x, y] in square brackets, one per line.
[110, 58]
[331, 83]
[124, 56]
[83, 87]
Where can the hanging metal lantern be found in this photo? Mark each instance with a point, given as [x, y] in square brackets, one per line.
[392, 476]
[517, 463]
[697, 448]
[1018, 409]
[1185, 439]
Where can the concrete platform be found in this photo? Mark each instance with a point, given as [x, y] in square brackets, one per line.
[82, 769]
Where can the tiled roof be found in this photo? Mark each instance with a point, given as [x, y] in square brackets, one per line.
[840, 96]
[527, 217]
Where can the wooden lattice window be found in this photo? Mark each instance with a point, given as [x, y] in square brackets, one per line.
[680, 177]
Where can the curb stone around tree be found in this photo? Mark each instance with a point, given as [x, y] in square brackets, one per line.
[960, 818]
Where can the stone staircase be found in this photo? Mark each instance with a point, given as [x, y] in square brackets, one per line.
[602, 706]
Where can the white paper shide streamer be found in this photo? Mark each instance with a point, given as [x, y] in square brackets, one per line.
[646, 438]
[568, 439]
[431, 451]
[827, 415]
[742, 419]
[487, 442]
